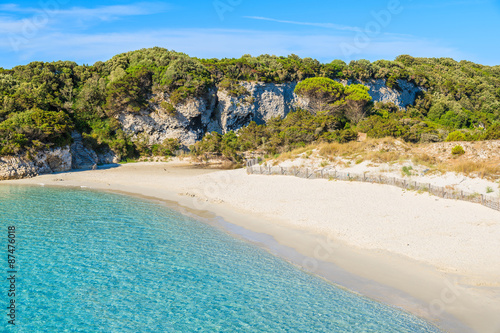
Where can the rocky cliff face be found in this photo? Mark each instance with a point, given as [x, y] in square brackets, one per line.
[49, 161]
[219, 111]
[401, 97]
[187, 122]
[216, 111]
[76, 156]
[261, 103]
[81, 156]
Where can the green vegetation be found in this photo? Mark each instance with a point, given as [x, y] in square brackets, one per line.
[33, 130]
[324, 94]
[298, 129]
[169, 108]
[42, 103]
[233, 88]
[458, 150]
[406, 170]
[167, 148]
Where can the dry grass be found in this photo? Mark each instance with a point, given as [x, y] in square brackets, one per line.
[343, 149]
[385, 156]
[294, 154]
[424, 159]
[489, 170]
[364, 149]
[482, 159]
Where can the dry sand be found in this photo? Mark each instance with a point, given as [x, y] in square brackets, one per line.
[437, 258]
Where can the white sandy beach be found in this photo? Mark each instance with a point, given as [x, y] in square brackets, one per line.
[443, 253]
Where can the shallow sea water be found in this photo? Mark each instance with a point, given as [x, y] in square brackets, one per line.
[100, 262]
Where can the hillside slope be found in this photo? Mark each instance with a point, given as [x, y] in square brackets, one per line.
[149, 101]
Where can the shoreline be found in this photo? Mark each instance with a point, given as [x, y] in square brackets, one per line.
[452, 301]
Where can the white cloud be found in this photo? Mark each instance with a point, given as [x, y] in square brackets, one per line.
[107, 13]
[16, 19]
[140, 8]
[11, 7]
[8, 25]
[367, 30]
[321, 25]
[21, 28]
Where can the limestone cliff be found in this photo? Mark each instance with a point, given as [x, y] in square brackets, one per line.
[403, 96]
[220, 111]
[186, 121]
[261, 103]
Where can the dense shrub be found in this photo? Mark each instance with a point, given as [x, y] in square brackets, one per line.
[169, 108]
[493, 133]
[458, 150]
[325, 94]
[458, 136]
[298, 129]
[167, 148]
[34, 129]
[233, 88]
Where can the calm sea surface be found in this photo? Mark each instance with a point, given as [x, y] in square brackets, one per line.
[98, 262]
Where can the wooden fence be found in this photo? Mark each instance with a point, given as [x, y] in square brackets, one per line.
[325, 173]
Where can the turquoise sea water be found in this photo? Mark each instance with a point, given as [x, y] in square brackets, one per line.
[99, 262]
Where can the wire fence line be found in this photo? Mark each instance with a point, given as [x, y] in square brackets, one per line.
[327, 173]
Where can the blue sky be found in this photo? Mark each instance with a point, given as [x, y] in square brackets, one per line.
[89, 31]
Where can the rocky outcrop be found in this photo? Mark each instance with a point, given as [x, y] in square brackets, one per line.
[81, 156]
[76, 156]
[261, 102]
[16, 168]
[218, 111]
[402, 96]
[48, 161]
[187, 122]
[107, 157]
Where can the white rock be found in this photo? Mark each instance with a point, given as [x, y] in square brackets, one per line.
[220, 112]
[47, 161]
